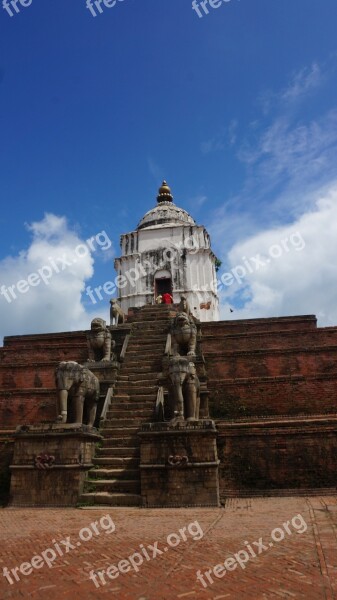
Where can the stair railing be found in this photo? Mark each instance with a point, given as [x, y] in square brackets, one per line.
[168, 345]
[159, 410]
[124, 348]
[106, 405]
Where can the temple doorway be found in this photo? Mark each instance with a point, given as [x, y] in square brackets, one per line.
[163, 286]
[162, 283]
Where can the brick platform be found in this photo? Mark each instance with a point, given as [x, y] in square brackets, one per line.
[50, 464]
[272, 387]
[302, 565]
[179, 464]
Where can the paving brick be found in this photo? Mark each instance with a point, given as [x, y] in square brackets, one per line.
[302, 565]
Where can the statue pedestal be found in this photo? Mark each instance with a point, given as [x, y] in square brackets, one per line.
[106, 371]
[179, 464]
[50, 464]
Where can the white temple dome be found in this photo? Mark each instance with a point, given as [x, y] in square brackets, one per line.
[166, 212]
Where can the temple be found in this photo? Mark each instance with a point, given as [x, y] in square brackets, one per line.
[165, 405]
[168, 252]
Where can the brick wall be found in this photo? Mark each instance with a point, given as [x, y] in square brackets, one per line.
[258, 370]
[27, 367]
[277, 456]
[259, 367]
[27, 385]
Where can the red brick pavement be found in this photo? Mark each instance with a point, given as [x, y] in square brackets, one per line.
[302, 565]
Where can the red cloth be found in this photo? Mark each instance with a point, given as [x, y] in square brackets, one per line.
[167, 299]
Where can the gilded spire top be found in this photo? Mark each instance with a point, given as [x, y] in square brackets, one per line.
[164, 193]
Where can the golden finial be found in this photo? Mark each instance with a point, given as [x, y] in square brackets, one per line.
[164, 193]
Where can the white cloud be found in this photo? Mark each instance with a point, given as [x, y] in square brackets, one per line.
[225, 137]
[286, 150]
[156, 171]
[197, 201]
[214, 144]
[53, 305]
[303, 81]
[302, 280]
[289, 158]
[301, 84]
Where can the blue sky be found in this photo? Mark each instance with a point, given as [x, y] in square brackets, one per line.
[237, 110]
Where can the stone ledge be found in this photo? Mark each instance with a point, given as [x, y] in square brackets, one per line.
[201, 426]
[56, 429]
[77, 466]
[180, 467]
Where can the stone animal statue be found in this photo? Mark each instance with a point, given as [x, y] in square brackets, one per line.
[76, 384]
[100, 344]
[184, 306]
[184, 389]
[183, 335]
[116, 314]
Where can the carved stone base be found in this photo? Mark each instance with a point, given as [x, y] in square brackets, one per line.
[105, 371]
[50, 463]
[179, 464]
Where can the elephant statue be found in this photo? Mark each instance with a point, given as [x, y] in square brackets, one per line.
[77, 384]
[184, 389]
[100, 344]
[183, 335]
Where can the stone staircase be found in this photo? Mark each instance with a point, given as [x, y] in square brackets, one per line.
[115, 478]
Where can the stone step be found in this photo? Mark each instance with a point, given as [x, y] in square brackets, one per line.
[144, 356]
[156, 326]
[146, 343]
[130, 474]
[135, 387]
[112, 429]
[118, 431]
[129, 414]
[113, 422]
[116, 485]
[146, 336]
[131, 405]
[136, 370]
[119, 421]
[158, 309]
[110, 451]
[136, 366]
[135, 397]
[152, 314]
[143, 342]
[119, 442]
[152, 325]
[147, 317]
[142, 378]
[116, 461]
[108, 499]
[136, 383]
[131, 400]
[146, 381]
[151, 336]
